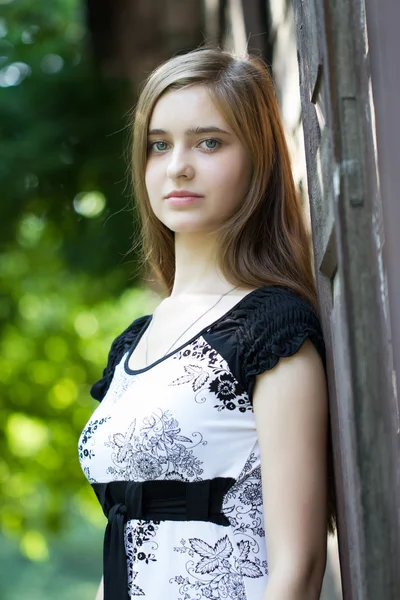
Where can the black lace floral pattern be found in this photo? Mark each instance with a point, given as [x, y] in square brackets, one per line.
[155, 450]
[215, 571]
[140, 548]
[243, 505]
[213, 376]
[84, 448]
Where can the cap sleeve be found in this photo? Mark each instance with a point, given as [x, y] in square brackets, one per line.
[277, 328]
[118, 348]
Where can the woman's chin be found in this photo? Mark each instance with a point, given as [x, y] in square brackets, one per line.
[182, 226]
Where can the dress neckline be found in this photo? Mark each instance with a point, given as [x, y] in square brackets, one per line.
[197, 335]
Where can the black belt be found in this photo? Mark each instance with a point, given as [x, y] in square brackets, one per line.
[165, 500]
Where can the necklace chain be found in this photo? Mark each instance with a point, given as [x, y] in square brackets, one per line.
[191, 325]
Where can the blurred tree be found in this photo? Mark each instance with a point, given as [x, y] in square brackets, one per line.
[64, 133]
[65, 230]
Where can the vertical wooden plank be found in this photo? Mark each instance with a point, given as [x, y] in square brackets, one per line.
[318, 148]
[343, 189]
[383, 52]
[378, 536]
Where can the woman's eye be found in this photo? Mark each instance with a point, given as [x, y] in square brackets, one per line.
[158, 146]
[211, 144]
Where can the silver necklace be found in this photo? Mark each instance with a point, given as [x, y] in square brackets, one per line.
[191, 325]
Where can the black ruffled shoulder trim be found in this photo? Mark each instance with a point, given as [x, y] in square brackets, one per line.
[278, 323]
[118, 348]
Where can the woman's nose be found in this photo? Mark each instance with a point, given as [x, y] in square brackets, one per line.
[179, 165]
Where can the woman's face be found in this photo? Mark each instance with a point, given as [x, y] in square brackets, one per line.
[192, 148]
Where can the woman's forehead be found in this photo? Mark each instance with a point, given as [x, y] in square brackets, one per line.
[187, 109]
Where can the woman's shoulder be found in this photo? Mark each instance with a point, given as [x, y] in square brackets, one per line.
[268, 302]
[274, 323]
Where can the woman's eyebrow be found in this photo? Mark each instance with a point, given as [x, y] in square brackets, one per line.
[191, 131]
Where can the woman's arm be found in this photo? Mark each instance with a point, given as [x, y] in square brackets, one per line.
[291, 410]
[99, 595]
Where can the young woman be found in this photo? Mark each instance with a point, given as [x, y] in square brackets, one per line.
[210, 451]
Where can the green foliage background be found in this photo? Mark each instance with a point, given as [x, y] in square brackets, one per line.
[68, 287]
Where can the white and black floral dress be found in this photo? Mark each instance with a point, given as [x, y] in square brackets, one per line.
[187, 419]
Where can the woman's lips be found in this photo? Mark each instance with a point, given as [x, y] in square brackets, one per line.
[183, 200]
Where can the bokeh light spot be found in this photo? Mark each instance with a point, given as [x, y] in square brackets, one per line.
[52, 63]
[63, 393]
[33, 546]
[28, 33]
[13, 74]
[30, 230]
[89, 204]
[86, 324]
[29, 306]
[9, 76]
[26, 435]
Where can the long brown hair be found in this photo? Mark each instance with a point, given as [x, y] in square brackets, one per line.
[266, 241]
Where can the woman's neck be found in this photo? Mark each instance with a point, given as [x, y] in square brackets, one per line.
[196, 266]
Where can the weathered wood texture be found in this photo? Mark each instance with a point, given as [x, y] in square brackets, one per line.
[342, 182]
[383, 20]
